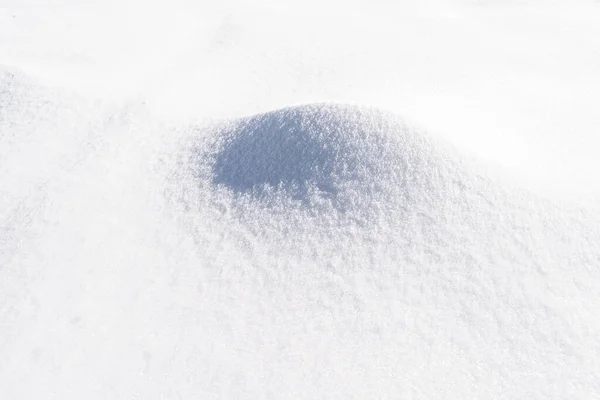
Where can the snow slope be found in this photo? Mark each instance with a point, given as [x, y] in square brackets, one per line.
[273, 201]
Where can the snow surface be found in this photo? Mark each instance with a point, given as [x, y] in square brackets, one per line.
[299, 200]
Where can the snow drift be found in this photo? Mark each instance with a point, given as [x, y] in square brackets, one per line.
[316, 250]
[331, 163]
[311, 170]
[151, 251]
[355, 157]
[345, 223]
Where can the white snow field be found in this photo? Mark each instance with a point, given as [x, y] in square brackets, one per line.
[299, 200]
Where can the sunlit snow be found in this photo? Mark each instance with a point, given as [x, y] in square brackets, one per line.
[321, 199]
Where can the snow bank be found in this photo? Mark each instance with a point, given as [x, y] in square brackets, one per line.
[336, 176]
[332, 162]
[314, 241]
[344, 223]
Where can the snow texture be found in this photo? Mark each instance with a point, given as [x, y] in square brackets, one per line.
[342, 200]
[348, 160]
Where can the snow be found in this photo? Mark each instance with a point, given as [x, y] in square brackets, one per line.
[351, 159]
[309, 200]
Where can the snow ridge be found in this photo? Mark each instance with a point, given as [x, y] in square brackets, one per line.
[329, 161]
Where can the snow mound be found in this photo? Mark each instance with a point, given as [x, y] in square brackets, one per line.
[327, 159]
